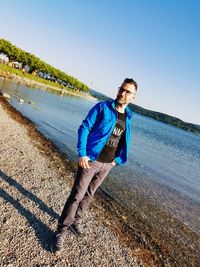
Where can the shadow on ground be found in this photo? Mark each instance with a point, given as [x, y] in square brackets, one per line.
[42, 231]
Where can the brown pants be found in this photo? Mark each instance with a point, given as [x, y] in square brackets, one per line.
[85, 185]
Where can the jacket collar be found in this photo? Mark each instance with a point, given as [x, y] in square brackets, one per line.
[128, 111]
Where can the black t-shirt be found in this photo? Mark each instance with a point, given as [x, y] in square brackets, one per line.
[108, 152]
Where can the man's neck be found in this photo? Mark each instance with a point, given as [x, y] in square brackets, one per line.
[120, 107]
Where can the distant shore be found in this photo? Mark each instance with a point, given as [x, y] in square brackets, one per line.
[31, 83]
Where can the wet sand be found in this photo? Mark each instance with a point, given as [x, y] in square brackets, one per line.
[35, 181]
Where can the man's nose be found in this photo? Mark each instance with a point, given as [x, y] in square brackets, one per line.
[123, 93]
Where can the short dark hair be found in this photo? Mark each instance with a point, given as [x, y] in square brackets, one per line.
[131, 81]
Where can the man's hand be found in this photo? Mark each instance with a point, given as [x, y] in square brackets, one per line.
[84, 162]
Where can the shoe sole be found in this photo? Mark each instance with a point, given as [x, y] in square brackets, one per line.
[53, 250]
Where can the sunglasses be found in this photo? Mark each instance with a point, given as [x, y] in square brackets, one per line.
[127, 92]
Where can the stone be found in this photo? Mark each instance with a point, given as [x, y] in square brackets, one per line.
[6, 95]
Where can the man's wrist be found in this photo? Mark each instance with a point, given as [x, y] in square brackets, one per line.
[81, 154]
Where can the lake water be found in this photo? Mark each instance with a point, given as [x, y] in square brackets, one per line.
[160, 184]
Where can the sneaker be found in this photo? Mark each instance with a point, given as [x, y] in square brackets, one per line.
[77, 230]
[57, 244]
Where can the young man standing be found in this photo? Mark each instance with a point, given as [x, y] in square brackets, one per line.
[103, 142]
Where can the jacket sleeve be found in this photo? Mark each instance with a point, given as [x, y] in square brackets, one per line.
[85, 129]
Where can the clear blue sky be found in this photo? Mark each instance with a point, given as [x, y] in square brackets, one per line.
[155, 42]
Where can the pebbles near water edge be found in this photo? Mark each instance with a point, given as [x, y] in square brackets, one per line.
[35, 180]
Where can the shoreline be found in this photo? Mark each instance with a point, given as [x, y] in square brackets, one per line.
[103, 211]
[151, 243]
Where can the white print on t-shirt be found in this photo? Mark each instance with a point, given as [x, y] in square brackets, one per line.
[114, 138]
[117, 131]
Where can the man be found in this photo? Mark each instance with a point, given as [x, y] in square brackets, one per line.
[103, 141]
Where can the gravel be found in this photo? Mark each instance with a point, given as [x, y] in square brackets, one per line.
[35, 181]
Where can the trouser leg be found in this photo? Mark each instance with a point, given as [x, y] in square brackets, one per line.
[86, 183]
[96, 181]
[81, 183]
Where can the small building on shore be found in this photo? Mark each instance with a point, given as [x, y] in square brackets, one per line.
[17, 65]
[4, 59]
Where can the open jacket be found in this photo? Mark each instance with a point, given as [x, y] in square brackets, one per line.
[96, 129]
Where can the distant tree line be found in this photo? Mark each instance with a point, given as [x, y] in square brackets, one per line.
[190, 127]
[36, 64]
[194, 128]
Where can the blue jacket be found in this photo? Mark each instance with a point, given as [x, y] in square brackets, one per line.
[96, 129]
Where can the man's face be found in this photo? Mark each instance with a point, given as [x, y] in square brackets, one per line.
[126, 93]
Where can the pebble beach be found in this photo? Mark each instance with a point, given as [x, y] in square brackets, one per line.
[35, 182]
